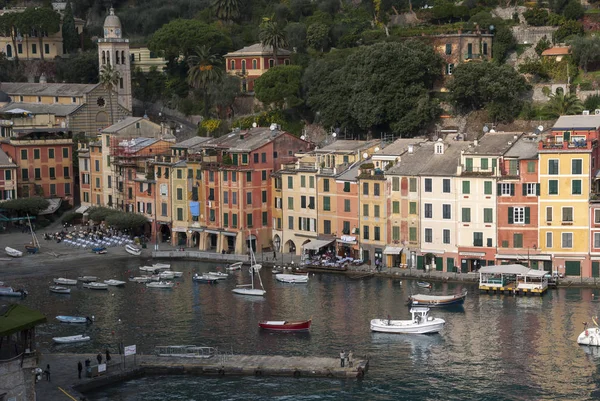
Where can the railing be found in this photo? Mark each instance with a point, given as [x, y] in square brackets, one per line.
[568, 145]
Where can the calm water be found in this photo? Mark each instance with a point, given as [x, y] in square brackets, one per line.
[495, 348]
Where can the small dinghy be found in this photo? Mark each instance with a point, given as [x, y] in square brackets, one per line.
[141, 279]
[590, 335]
[133, 250]
[436, 300]
[285, 325]
[11, 292]
[114, 283]
[234, 266]
[149, 269]
[166, 275]
[95, 286]
[161, 266]
[64, 281]
[292, 278]
[161, 284]
[74, 319]
[424, 284]
[218, 275]
[177, 274]
[421, 323]
[87, 279]
[71, 339]
[205, 279]
[12, 252]
[59, 290]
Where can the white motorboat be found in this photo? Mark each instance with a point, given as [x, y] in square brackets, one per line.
[161, 266]
[590, 335]
[234, 266]
[133, 250]
[11, 292]
[205, 278]
[218, 275]
[114, 283]
[161, 284]
[421, 323]
[177, 274]
[87, 279]
[149, 269]
[292, 278]
[166, 275]
[71, 339]
[12, 252]
[256, 267]
[141, 279]
[96, 286]
[74, 319]
[248, 289]
[59, 290]
[64, 281]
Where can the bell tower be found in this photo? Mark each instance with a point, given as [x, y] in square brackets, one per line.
[113, 49]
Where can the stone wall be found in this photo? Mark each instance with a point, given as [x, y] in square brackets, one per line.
[18, 381]
[525, 34]
[537, 94]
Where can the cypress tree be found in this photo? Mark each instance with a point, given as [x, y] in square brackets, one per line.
[69, 32]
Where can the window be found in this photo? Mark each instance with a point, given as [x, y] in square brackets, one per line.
[346, 227]
[577, 166]
[428, 235]
[519, 215]
[428, 211]
[234, 220]
[249, 222]
[395, 233]
[264, 196]
[365, 232]
[248, 198]
[265, 218]
[271, 63]
[233, 176]
[302, 181]
[487, 187]
[448, 48]
[412, 234]
[254, 64]
[234, 198]
[395, 184]
[531, 167]
[245, 158]
[311, 202]
[347, 206]
[311, 182]
[225, 197]
[225, 176]
[596, 240]
[52, 173]
[485, 49]
[25, 174]
[365, 188]
[428, 185]
[567, 214]
[290, 203]
[466, 187]
[179, 193]
[255, 157]
[477, 239]
[263, 175]
[517, 240]
[33, 48]
[163, 209]
[549, 239]
[513, 167]
[366, 210]
[65, 153]
[488, 215]
[290, 182]
[248, 177]
[23, 154]
[291, 222]
[20, 50]
[567, 240]
[469, 164]
[376, 211]
[211, 194]
[36, 154]
[552, 187]
[576, 187]
[263, 157]
[597, 216]
[446, 212]
[466, 215]
[226, 220]
[232, 65]
[53, 189]
[506, 189]
[412, 185]
[376, 189]
[179, 174]
[553, 166]
[395, 207]
[7, 175]
[446, 186]
[449, 68]
[180, 214]
[484, 164]
[446, 236]
[326, 226]
[530, 189]
[37, 174]
[412, 208]
[326, 203]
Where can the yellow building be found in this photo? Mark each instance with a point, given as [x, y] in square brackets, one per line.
[179, 204]
[144, 59]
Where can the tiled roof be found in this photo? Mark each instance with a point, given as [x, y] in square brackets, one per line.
[192, 142]
[245, 140]
[525, 148]
[41, 108]
[258, 49]
[557, 51]
[423, 160]
[345, 146]
[37, 89]
[494, 143]
[5, 160]
[582, 122]
[116, 127]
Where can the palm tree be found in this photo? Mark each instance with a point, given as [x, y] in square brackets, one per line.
[561, 105]
[271, 34]
[205, 68]
[109, 79]
[227, 10]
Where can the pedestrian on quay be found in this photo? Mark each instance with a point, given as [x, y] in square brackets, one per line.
[342, 358]
[350, 359]
[274, 256]
[107, 356]
[79, 368]
[47, 372]
[99, 358]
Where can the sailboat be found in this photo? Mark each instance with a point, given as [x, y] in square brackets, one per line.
[34, 246]
[248, 289]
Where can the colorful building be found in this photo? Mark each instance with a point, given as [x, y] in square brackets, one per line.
[252, 61]
[8, 177]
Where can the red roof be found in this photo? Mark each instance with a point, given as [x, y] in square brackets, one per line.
[557, 51]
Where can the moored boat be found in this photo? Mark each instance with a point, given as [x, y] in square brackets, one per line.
[161, 266]
[11, 292]
[424, 284]
[12, 252]
[74, 319]
[421, 323]
[292, 278]
[64, 281]
[204, 279]
[150, 269]
[141, 279]
[436, 300]
[161, 284]
[590, 335]
[87, 279]
[285, 325]
[71, 339]
[95, 286]
[133, 250]
[59, 290]
[234, 266]
[114, 283]
[166, 275]
[218, 275]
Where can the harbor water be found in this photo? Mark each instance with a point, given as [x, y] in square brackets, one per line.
[495, 347]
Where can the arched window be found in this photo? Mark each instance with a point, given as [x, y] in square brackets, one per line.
[232, 65]
[103, 57]
[107, 57]
[560, 91]
[9, 51]
[254, 64]
[102, 117]
[123, 57]
[243, 65]
[117, 58]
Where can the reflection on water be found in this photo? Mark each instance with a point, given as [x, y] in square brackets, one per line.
[493, 348]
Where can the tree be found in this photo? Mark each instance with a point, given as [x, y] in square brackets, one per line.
[205, 68]
[592, 102]
[536, 16]
[503, 43]
[573, 10]
[126, 221]
[317, 36]
[585, 51]
[23, 206]
[385, 86]
[80, 68]
[69, 32]
[42, 21]
[272, 35]
[9, 23]
[296, 35]
[227, 10]
[100, 213]
[568, 29]
[475, 86]
[280, 86]
[561, 105]
[223, 94]
[543, 44]
[109, 79]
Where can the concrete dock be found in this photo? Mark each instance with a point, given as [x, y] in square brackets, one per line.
[64, 383]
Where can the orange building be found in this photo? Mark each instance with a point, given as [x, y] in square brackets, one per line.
[251, 62]
[96, 192]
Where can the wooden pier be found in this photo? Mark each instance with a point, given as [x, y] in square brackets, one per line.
[65, 380]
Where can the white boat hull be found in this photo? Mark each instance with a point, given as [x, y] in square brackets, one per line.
[162, 285]
[250, 291]
[59, 290]
[292, 278]
[64, 281]
[10, 292]
[218, 275]
[141, 279]
[161, 266]
[96, 286]
[432, 325]
[12, 252]
[114, 283]
[234, 266]
[71, 339]
[589, 336]
[132, 250]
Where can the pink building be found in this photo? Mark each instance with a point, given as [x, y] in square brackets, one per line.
[8, 177]
[251, 62]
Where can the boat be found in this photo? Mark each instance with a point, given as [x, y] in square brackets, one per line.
[161, 284]
[59, 290]
[87, 279]
[328, 269]
[292, 278]
[234, 266]
[177, 274]
[114, 283]
[99, 250]
[590, 335]
[12, 252]
[436, 300]
[421, 323]
[71, 339]
[161, 266]
[256, 267]
[277, 270]
[285, 325]
[205, 279]
[74, 319]
[141, 279]
[34, 246]
[95, 286]
[64, 281]
[424, 284]
[166, 275]
[133, 250]
[248, 289]
[218, 275]
[11, 292]
[149, 269]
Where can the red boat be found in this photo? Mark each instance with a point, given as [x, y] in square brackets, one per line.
[285, 325]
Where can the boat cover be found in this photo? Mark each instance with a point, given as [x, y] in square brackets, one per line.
[275, 322]
[425, 297]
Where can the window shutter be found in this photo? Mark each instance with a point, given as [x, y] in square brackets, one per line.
[499, 189]
[512, 189]
[524, 186]
[527, 216]
[537, 189]
[510, 215]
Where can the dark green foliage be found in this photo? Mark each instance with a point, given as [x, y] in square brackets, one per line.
[586, 51]
[504, 43]
[497, 88]
[296, 35]
[126, 221]
[99, 213]
[70, 36]
[78, 68]
[25, 206]
[557, 5]
[561, 105]
[223, 94]
[71, 217]
[447, 12]
[536, 16]
[573, 10]
[592, 102]
[568, 30]
[384, 86]
[317, 36]
[280, 86]
[149, 87]
[543, 44]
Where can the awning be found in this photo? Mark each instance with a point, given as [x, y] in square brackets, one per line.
[472, 254]
[347, 240]
[523, 257]
[392, 250]
[179, 229]
[316, 244]
[196, 229]
[18, 111]
[211, 231]
[339, 241]
[82, 209]
[229, 234]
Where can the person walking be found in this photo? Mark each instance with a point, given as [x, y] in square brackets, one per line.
[79, 368]
[274, 256]
[99, 358]
[350, 359]
[342, 358]
[107, 356]
[47, 372]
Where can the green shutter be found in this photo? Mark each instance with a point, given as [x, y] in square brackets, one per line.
[396, 207]
[512, 189]
[537, 189]
[412, 234]
[420, 262]
[469, 164]
[484, 164]
[499, 189]
[466, 187]
[450, 265]
[572, 268]
[439, 264]
[524, 187]
[527, 216]
[487, 187]
[595, 269]
[510, 216]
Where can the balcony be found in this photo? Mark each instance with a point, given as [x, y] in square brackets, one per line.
[476, 171]
[572, 145]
